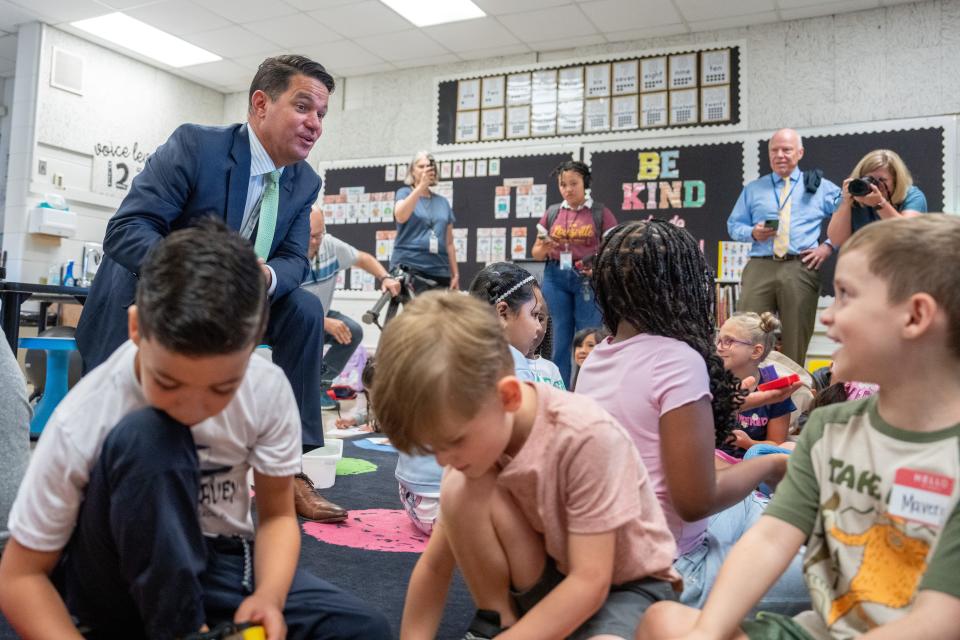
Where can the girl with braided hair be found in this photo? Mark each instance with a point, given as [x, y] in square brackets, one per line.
[660, 376]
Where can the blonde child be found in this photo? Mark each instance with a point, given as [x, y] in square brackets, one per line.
[545, 505]
[872, 488]
[743, 342]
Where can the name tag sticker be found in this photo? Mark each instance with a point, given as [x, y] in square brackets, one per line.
[921, 497]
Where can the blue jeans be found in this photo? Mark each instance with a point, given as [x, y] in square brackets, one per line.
[138, 564]
[573, 307]
[338, 354]
[699, 567]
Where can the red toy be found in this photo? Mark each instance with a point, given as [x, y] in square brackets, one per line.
[779, 383]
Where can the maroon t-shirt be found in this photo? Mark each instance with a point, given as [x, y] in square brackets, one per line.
[574, 231]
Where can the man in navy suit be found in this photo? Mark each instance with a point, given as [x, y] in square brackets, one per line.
[225, 172]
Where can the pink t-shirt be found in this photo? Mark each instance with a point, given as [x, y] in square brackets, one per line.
[577, 473]
[574, 230]
[637, 381]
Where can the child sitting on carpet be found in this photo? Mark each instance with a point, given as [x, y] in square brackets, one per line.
[661, 378]
[136, 493]
[544, 370]
[516, 296]
[544, 501]
[743, 342]
[872, 489]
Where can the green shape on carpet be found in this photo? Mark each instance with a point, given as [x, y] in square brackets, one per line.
[354, 466]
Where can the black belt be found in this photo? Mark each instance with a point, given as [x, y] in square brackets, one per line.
[789, 256]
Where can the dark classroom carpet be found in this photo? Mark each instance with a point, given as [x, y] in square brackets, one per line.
[377, 577]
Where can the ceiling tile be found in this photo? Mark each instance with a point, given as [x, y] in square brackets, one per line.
[480, 33]
[59, 11]
[8, 47]
[230, 42]
[344, 53]
[241, 11]
[786, 5]
[427, 61]
[502, 7]
[402, 45]
[495, 52]
[124, 5]
[179, 17]
[252, 62]
[313, 5]
[558, 23]
[838, 6]
[567, 43]
[620, 15]
[702, 10]
[13, 15]
[662, 31]
[362, 70]
[220, 72]
[360, 19]
[293, 30]
[764, 17]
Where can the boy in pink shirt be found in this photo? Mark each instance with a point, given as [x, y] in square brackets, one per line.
[544, 505]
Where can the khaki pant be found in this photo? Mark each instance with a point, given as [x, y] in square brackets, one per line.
[790, 290]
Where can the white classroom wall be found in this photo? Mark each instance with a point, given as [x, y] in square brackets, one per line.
[124, 102]
[897, 62]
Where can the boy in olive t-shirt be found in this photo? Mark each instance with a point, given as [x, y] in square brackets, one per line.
[872, 488]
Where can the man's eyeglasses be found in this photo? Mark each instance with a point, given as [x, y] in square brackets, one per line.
[725, 342]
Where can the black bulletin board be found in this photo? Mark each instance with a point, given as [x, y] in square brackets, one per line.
[836, 155]
[473, 202]
[717, 167]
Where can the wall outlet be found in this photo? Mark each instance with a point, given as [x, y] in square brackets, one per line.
[57, 180]
[42, 167]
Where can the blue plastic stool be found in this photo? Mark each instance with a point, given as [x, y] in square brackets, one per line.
[55, 385]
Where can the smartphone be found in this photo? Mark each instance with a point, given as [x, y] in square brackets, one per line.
[772, 224]
[542, 231]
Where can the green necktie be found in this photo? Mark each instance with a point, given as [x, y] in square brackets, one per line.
[268, 215]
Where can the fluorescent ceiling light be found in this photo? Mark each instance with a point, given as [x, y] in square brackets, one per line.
[146, 40]
[424, 13]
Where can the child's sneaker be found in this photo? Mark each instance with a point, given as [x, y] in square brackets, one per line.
[485, 625]
[327, 403]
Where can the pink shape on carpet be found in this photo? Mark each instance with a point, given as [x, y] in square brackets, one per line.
[373, 530]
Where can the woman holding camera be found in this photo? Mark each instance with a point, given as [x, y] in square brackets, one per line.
[568, 239]
[424, 243]
[880, 187]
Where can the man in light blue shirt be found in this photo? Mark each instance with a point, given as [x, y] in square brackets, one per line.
[781, 213]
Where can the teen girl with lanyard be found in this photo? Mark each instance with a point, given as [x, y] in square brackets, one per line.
[568, 240]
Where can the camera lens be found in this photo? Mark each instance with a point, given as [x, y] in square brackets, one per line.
[859, 187]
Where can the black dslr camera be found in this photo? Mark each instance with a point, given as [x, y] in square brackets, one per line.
[860, 187]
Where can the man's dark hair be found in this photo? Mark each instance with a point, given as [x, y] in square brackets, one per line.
[273, 75]
[652, 275]
[202, 292]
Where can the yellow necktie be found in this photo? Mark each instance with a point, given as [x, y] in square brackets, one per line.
[781, 243]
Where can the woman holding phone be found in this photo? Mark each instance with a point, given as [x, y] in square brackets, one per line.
[424, 243]
[568, 239]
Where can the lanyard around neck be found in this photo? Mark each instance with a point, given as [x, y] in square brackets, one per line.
[776, 195]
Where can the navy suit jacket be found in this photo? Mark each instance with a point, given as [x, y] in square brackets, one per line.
[198, 172]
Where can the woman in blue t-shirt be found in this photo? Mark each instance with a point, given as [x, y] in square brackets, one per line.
[424, 243]
[892, 194]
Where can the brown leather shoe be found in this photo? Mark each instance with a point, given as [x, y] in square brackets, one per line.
[311, 505]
